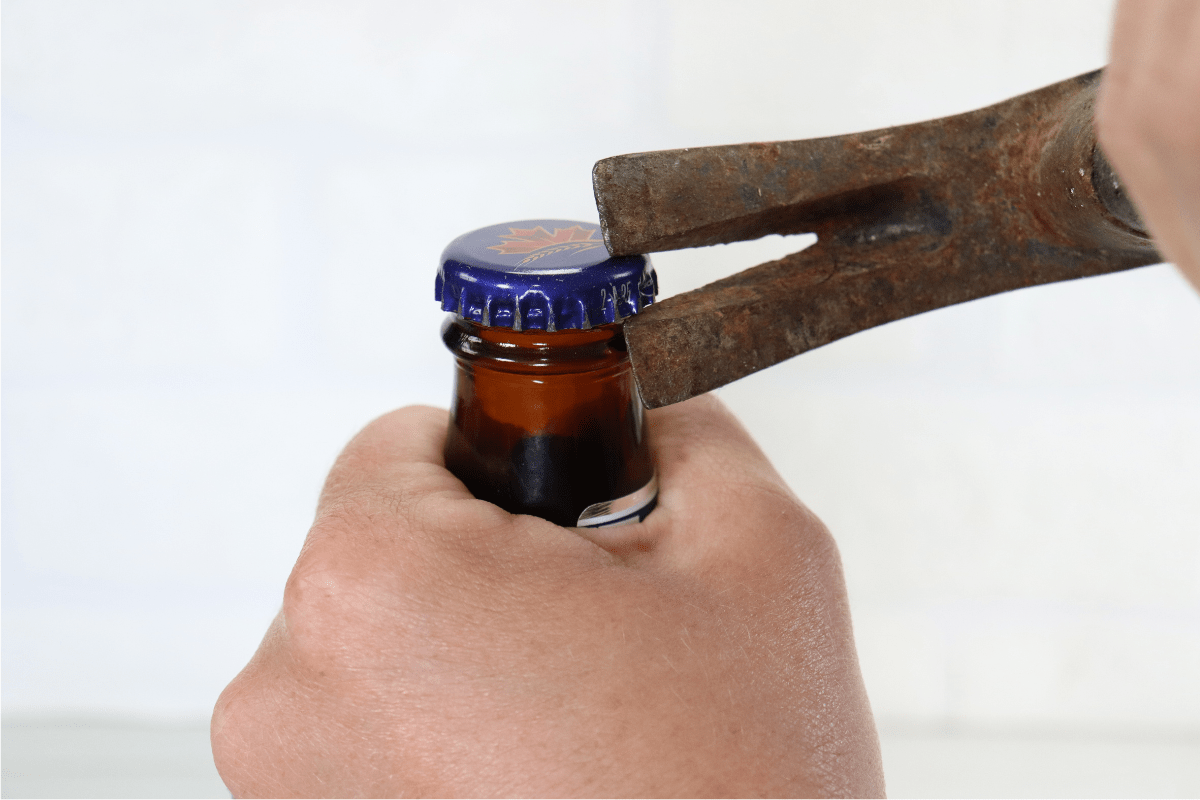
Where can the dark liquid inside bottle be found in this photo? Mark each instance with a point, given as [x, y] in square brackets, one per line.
[545, 423]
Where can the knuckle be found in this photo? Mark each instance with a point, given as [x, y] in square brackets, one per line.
[788, 524]
[242, 733]
[227, 734]
[326, 595]
[315, 590]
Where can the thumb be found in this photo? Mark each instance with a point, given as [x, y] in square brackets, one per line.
[700, 443]
[720, 499]
[719, 496]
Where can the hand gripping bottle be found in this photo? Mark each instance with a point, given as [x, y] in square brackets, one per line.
[546, 418]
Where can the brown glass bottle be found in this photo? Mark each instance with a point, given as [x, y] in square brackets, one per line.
[546, 419]
[546, 423]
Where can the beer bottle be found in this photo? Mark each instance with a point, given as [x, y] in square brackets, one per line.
[546, 418]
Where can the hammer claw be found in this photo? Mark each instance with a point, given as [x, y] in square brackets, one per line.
[908, 219]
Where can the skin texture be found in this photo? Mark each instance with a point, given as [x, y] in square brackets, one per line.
[432, 644]
[1148, 121]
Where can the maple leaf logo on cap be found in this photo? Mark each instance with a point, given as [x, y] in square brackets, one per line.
[539, 242]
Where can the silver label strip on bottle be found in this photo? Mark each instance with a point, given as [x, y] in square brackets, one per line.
[631, 508]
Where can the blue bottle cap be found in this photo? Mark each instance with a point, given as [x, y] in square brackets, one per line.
[541, 274]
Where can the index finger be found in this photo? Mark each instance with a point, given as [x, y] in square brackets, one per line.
[398, 453]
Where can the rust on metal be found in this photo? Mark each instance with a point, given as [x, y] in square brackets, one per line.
[908, 219]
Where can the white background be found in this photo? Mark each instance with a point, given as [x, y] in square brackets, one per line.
[221, 225]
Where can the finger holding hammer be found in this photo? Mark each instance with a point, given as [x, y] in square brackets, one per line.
[1148, 121]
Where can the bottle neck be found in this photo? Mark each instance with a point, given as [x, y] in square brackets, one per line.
[541, 352]
[548, 423]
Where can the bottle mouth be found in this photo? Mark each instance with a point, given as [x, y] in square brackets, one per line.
[546, 352]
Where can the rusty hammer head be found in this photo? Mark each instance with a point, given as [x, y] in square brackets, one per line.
[908, 219]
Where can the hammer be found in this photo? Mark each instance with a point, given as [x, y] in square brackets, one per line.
[908, 219]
